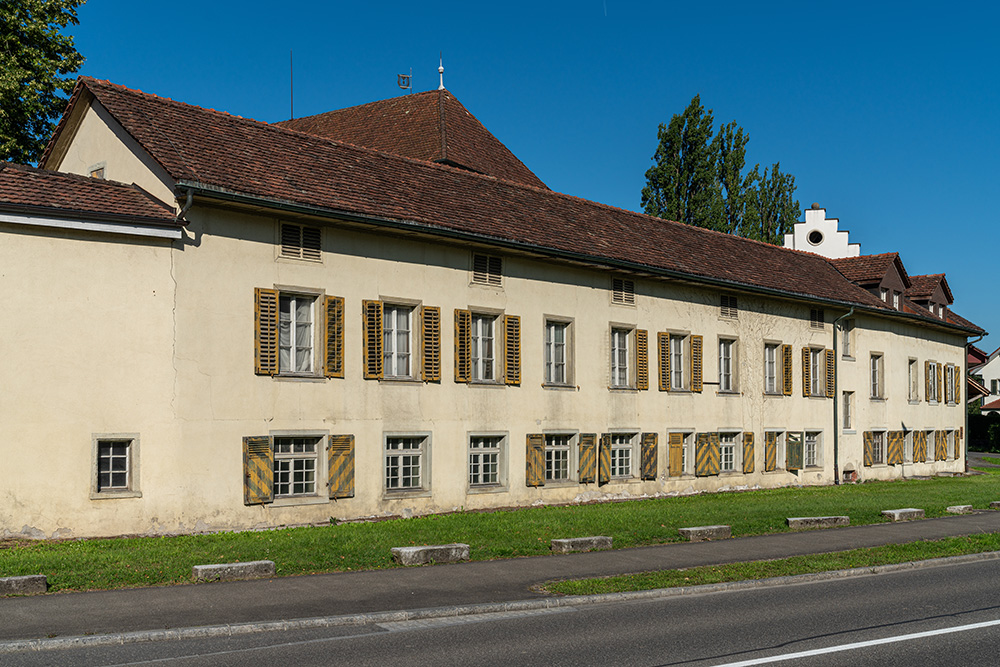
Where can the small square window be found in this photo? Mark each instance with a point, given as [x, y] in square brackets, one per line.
[816, 318]
[116, 466]
[406, 463]
[623, 291]
[728, 306]
[295, 466]
[301, 242]
[487, 270]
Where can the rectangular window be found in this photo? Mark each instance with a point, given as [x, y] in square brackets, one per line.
[817, 376]
[728, 453]
[908, 447]
[114, 465]
[484, 460]
[878, 447]
[912, 378]
[994, 387]
[677, 345]
[483, 353]
[727, 354]
[951, 445]
[623, 291]
[932, 385]
[295, 333]
[686, 455]
[949, 384]
[810, 450]
[847, 338]
[555, 352]
[487, 269]
[728, 306]
[895, 299]
[396, 340]
[848, 420]
[557, 449]
[875, 376]
[405, 467]
[817, 319]
[771, 368]
[300, 242]
[883, 294]
[620, 357]
[622, 445]
[295, 461]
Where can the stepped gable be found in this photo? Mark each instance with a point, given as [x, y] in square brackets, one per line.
[27, 189]
[431, 126]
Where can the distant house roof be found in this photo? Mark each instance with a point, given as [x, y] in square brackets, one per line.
[976, 356]
[922, 287]
[991, 406]
[431, 126]
[869, 269]
[974, 389]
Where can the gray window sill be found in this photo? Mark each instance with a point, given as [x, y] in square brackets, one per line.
[401, 380]
[486, 383]
[623, 389]
[293, 501]
[299, 378]
[730, 392]
[111, 495]
[404, 494]
[849, 431]
[487, 488]
[559, 386]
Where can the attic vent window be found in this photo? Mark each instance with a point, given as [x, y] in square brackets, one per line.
[300, 242]
[622, 291]
[487, 269]
[729, 307]
[97, 172]
[815, 237]
[816, 319]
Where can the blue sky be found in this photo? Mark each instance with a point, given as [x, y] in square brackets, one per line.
[886, 113]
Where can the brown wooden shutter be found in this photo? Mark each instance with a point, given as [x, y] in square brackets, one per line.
[675, 464]
[919, 446]
[604, 460]
[806, 372]
[333, 358]
[958, 443]
[748, 462]
[535, 460]
[786, 370]
[463, 345]
[512, 349]
[696, 354]
[770, 451]
[649, 454]
[831, 374]
[258, 470]
[588, 458]
[894, 455]
[706, 455]
[927, 381]
[265, 331]
[430, 337]
[641, 359]
[940, 446]
[340, 460]
[371, 313]
[663, 350]
[957, 390]
[937, 377]
[793, 451]
[869, 448]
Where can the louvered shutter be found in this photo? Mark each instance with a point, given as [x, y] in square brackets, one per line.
[588, 458]
[793, 451]
[696, 353]
[676, 455]
[895, 443]
[371, 312]
[770, 451]
[940, 446]
[649, 453]
[786, 370]
[333, 364]
[311, 242]
[920, 447]
[265, 331]
[869, 448]
[535, 460]
[512, 349]
[340, 460]
[463, 345]
[604, 460]
[927, 381]
[806, 372]
[748, 462]
[831, 374]
[641, 359]
[663, 350]
[430, 337]
[258, 470]
[937, 377]
[957, 376]
[706, 456]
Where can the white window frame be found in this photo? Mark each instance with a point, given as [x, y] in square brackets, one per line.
[908, 447]
[932, 370]
[679, 351]
[728, 381]
[949, 441]
[896, 298]
[878, 447]
[812, 457]
[559, 449]
[877, 375]
[848, 408]
[397, 342]
[817, 372]
[730, 452]
[687, 452]
[622, 349]
[780, 460]
[847, 339]
[401, 453]
[130, 489]
[485, 451]
[913, 378]
[288, 463]
[484, 348]
[883, 294]
[289, 318]
[557, 364]
[623, 454]
[949, 384]
[771, 353]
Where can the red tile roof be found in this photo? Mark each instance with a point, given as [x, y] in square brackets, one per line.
[431, 126]
[26, 189]
[992, 405]
[922, 287]
[868, 269]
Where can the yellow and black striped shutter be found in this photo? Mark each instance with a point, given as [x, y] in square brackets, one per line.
[958, 443]
[919, 446]
[258, 470]
[748, 462]
[463, 345]
[512, 349]
[937, 377]
[641, 359]
[333, 362]
[371, 314]
[430, 337]
[806, 372]
[869, 448]
[604, 460]
[786, 370]
[675, 464]
[340, 459]
[588, 458]
[957, 375]
[265, 331]
[649, 453]
[831, 374]
[793, 451]
[535, 460]
[706, 454]
[927, 381]
[770, 451]
[940, 446]
[696, 354]
[894, 456]
[663, 350]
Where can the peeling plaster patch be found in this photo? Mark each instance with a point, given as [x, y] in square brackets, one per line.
[62, 533]
[32, 533]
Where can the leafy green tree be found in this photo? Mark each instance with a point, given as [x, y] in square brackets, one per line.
[36, 61]
[770, 210]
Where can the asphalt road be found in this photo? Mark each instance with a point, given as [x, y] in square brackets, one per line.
[919, 617]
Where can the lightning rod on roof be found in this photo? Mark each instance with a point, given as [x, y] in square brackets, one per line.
[291, 86]
[404, 81]
[441, 70]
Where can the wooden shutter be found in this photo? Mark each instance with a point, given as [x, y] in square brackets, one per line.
[748, 462]
[706, 455]
[919, 446]
[894, 455]
[258, 470]
[588, 458]
[265, 331]
[786, 370]
[512, 349]
[793, 451]
[649, 452]
[696, 353]
[958, 443]
[463, 345]
[641, 359]
[371, 313]
[940, 446]
[806, 372]
[430, 338]
[957, 391]
[675, 464]
[333, 358]
[831, 374]
[770, 451]
[937, 377]
[604, 460]
[663, 350]
[869, 448]
[340, 460]
[535, 460]
[927, 381]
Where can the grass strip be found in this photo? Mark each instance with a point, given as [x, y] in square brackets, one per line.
[992, 459]
[150, 561]
[765, 569]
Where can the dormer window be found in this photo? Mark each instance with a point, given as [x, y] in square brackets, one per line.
[883, 294]
[300, 242]
[895, 299]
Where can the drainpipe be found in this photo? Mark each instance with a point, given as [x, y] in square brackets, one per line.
[836, 400]
[184, 209]
[965, 374]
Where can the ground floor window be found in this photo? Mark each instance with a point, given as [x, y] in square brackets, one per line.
[729, 453]
[115, 466]
[878, 447]
[557, 450]
[811, 452]
[295, 465]
[405, 463]
[484, 460]
[622, 445]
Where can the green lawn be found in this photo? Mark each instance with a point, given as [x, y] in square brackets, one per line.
[991, 459]
[145, 561]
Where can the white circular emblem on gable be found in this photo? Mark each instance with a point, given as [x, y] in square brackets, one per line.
[815, 237]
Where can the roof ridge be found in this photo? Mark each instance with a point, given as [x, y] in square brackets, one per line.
[354, 107]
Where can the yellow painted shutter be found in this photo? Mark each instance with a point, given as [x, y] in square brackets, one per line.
[958, 443]
[831, 374]
[919, 446]
[641, 359]
[696, 353]
[806, 372]
[770, 451]
[649, 453]
[430, 337]
[895, 453]
[535, 460]
[340, 459]
[604, 460]
[957, 374]
[663, 349]
[463, 345]
[937, 377]
[786, 370]
[512, 349]
[333, 359]
[258, 470]
[676, 455]
[927, 381]
[940, 446]
[748, 462]
[265, 331]
[793, 451]
[869, 448]
[371, 313]
[588, 458]
[706, 455]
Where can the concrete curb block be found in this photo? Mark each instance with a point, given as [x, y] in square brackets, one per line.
[29, 584]
[575, 544]
[904, 514]
[435, 553]
[701, 533]
[255, 569]
[802, 522]
[237, 629]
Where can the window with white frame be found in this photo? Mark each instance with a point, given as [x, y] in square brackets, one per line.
[949, 383]
[557, 456]
[817, 375]
[115, 462]
[728, 452]
[556, 339]
[622, 445]
[883, 294]
[405, 463]
[932, 385]
[811, 449]
[876, 379]
[678, 344]
[914, 392]
[771, 351]
[397, 339]
[848, 405]
[620, 351]
[908, 447]
[895, 299]
[727, 368]
[847, 338]
[687, 455]
[878, 447]
[295, 333]
[950, 442]
[485, 459]
[483, 346]
[295, 466]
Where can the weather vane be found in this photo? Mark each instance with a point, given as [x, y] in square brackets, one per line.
[404, 81]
